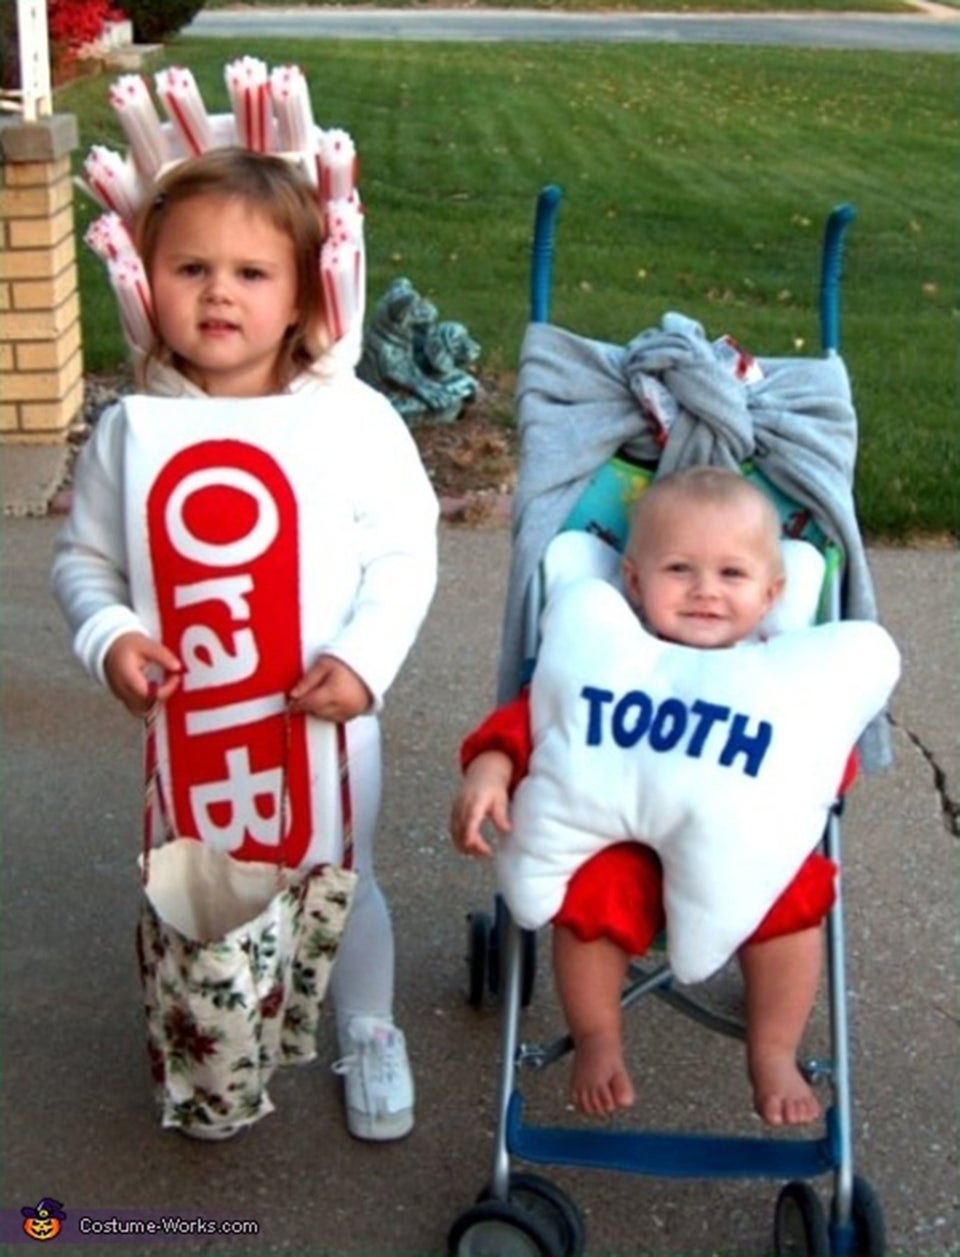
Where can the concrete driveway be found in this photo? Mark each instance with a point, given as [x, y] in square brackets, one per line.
[77, 1120]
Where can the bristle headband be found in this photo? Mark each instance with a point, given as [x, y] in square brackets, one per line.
[270, 113]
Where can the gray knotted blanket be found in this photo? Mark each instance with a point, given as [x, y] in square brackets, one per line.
[578, 402]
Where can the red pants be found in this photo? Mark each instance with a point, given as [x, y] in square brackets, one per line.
[618, 894]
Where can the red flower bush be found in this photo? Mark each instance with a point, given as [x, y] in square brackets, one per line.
[72, 24]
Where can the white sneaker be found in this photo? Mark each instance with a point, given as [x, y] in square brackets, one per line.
[377, 1080]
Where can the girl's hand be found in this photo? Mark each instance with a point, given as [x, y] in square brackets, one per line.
[131, 667]
[484, 795]
[331, 690]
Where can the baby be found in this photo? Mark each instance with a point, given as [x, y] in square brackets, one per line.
[702, 568]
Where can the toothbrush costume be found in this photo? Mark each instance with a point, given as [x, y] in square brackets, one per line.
[251, 535]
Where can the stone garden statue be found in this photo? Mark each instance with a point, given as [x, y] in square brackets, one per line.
[416, 360]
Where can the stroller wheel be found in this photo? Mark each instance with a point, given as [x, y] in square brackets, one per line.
[800, 1223]
[497, 1228]
[552, 1206]
[869, 1233]
[479, 927]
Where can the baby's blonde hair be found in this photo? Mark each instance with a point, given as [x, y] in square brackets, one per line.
[278, 190]
[714, 485]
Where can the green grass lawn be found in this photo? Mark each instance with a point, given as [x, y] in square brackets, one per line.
[695, 179]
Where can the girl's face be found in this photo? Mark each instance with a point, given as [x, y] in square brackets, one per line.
[704, 575]
[224, 285]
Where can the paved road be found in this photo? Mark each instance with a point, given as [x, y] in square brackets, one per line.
[921, 33]
[77, 1123]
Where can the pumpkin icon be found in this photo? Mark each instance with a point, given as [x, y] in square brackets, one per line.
[43, 1221]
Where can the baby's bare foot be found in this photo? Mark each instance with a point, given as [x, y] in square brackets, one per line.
[600, 1082]
[781, 1094]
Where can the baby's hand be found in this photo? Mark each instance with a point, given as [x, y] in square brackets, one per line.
[331, 690]
[131, 667]
[484, 795]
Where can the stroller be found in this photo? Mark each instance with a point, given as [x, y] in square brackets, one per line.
[524, 1213]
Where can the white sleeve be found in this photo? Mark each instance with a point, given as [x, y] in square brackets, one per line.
[396, 515]
[89, 573]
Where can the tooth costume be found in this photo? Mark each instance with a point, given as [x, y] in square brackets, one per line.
[724, 763]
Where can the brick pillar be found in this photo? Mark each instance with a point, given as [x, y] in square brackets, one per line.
[41, 362]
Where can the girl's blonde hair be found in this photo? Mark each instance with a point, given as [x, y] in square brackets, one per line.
[282, 194]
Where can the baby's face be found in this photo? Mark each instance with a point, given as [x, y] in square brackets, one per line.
[704, 574]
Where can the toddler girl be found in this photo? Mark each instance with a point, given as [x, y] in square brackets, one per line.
[231, 243]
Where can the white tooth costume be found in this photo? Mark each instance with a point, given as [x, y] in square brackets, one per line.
[725, 762]
[363, 514]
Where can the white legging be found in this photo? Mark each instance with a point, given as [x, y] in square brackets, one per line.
[362, 979]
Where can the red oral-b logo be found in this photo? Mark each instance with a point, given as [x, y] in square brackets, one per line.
[223, 536]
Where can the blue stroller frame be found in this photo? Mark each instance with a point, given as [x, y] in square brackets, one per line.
[522, 1213]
